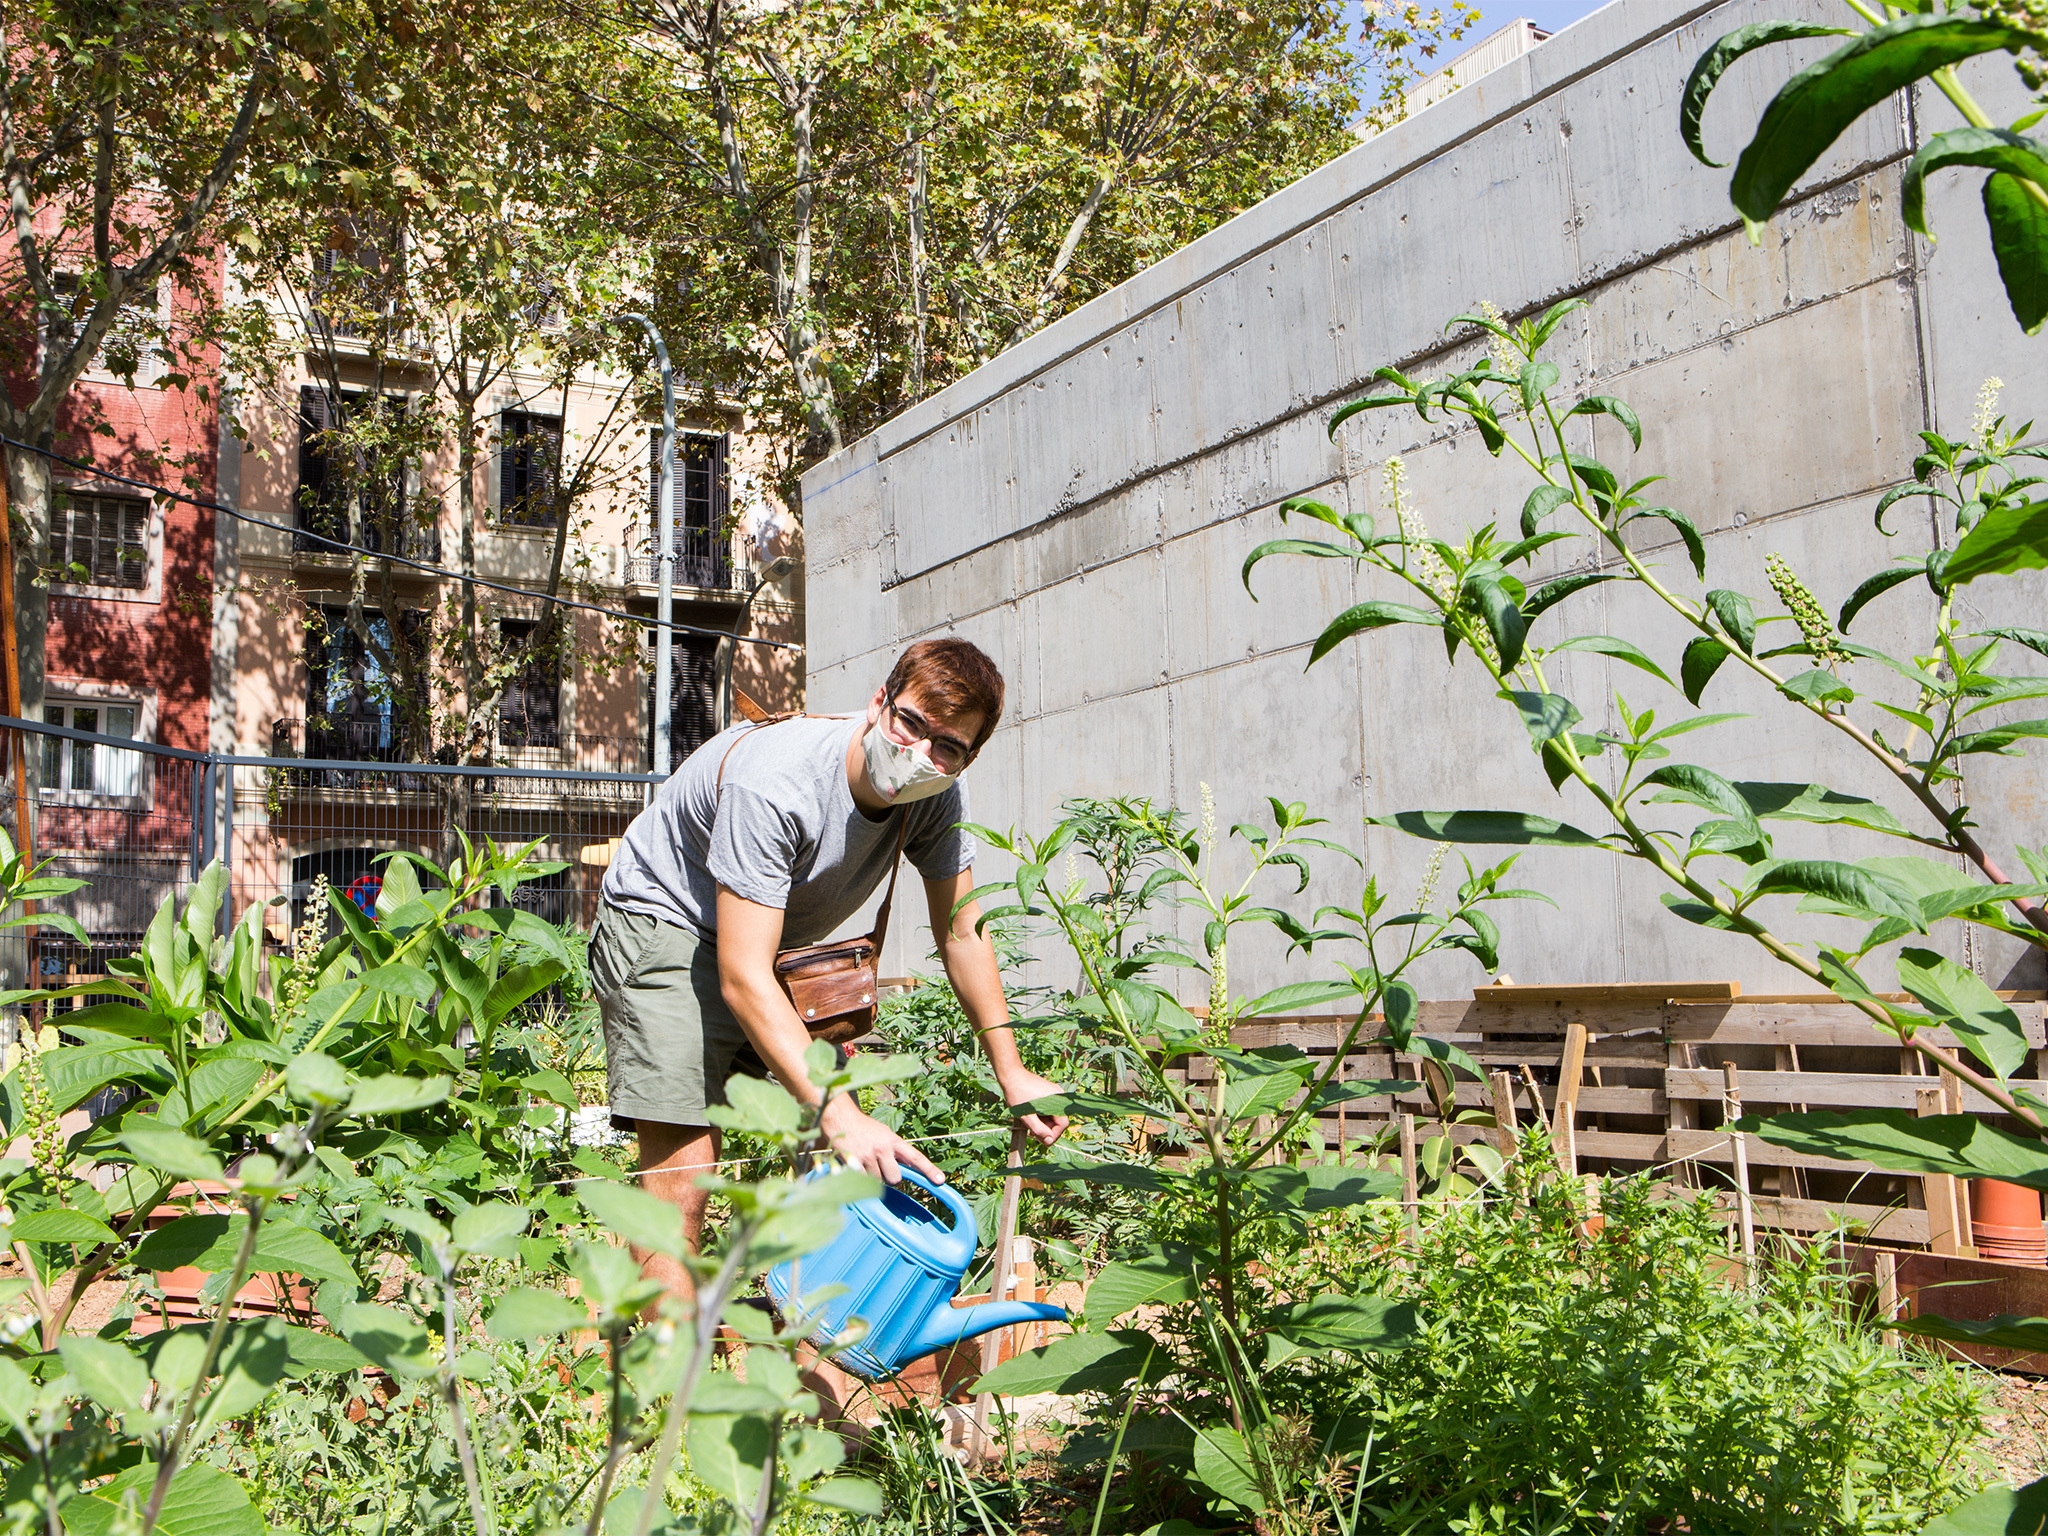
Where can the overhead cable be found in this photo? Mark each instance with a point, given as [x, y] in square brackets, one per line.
[418, 565]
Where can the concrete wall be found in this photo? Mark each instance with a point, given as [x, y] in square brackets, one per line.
[1081, 506]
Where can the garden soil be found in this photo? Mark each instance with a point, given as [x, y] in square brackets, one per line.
[2018, 1424]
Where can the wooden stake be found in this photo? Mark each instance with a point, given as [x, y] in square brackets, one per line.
[1745, 1213]
[1411, 1190]
[1004, 1268]
[1571, 1067]
[1887, 1265]
[1507, 1138]
[1536, 1098]
[1966, 1231]
[1945, 1231]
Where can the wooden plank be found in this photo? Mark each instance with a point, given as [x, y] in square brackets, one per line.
[1749, 1023]
[1888, 1222]
[1712, 1147]
[1609, 993]
[1864, 1090]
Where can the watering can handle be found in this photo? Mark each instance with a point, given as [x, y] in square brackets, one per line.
[961, 1212]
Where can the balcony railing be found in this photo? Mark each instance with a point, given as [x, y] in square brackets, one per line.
[412, 540]
[376, 745]
[703, 560]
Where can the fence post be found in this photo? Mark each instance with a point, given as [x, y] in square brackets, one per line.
[227, 849]
[202, 819]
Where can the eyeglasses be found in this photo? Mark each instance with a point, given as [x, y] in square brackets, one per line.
[949, 753]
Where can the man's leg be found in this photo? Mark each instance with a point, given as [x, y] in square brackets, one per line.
[671, 1157]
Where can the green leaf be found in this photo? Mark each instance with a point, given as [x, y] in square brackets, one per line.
[1821, 101]
[1223, 1465]
[2019, 239]
[1712, 64]
[1866, 891]
[172, 1152]
[1373, 615]
[492, 1227]
[1737, 617]
[201, 1501]
[855, 1495]
[1610, 405]
[1997, 1511]
[1080, 1362]
[1690, 784]
[1543, 501]
[1136, 1177]
[1544, 715]
[311, 1352]
[1297, 995]
[1487, 827]
[530, 1314]
[1874, 586]
[1696, 668]
[519, 983]
[1360, 1324]
[1961, 1145]
[1992, 149]
[1999, 737]
[400, 981]
[392, 1339]
[1817, 686]
[1536, 377]
[1551, 593]
[109, 1374]
[1290, 1192]
[393, 1094]
[1620, 650]
[1817, 803]
[59, 1226]
[2006, 1331]
[1156, 1280]
[2003, 541]
[211, 1243]
[636, 1216]
[1958, 995]
[1688, 533]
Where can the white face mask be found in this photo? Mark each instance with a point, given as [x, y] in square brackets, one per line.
[902, 774]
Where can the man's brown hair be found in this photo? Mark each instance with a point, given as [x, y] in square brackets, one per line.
[954, 676]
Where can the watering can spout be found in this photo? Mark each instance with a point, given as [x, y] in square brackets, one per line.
[949, 1325]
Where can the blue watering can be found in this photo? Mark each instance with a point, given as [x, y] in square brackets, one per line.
[901, 1266]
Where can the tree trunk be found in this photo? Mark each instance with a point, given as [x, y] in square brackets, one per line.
[29, 485]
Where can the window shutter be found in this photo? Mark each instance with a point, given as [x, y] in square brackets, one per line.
[546, 483]
[134, 543]
[511, 427]
[316, 415]
[105, 523]
[721, 487]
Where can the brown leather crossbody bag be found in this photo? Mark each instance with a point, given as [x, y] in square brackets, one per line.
[833, 986]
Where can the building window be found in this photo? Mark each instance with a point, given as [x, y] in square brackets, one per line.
[355, 281]
[128, 351]
[529, 461]
[355, 710]
[702, 499]
[693, 695]
[81, 771]
[530, 713]
[100, 541]
[327, 478]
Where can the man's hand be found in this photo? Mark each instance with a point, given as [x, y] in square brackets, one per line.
[862, 1141]
[1023, 1087]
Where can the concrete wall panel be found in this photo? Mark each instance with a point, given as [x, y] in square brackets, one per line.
[1082, 504]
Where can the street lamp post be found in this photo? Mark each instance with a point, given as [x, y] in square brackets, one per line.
[665, 519]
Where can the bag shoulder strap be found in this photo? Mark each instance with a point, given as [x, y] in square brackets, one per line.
[881, 929]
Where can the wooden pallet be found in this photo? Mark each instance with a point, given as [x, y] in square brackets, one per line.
[1637, 1077]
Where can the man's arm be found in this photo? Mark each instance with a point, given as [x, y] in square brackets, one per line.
[748, 936]
[970, 961]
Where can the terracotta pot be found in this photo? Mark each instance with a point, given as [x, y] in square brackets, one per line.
[261, 1296]
[2005, 1222]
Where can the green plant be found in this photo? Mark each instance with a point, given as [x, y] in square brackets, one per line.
[402, 1193]
[1196, 1387]
[1924, 39]
[1953, 700]
[1629, 1381]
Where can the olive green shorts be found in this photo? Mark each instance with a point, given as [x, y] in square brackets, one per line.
[670, 1042]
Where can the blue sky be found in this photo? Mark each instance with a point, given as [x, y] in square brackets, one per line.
[1550, 15]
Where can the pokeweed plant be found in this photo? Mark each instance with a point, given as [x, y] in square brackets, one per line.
[1197, 1386]
[1905, 43]
[300, 1107]
[1913, 719]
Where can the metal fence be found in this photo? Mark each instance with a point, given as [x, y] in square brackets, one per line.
[137, 821]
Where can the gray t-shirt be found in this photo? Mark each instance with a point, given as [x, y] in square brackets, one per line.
[783, 831]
